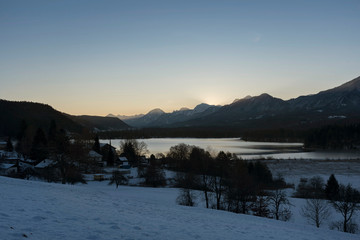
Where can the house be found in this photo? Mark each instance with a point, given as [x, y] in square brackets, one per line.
[124, 163]
[97, 158]
[8, 168]
[2, 145]
[45, 163]
[104, 147]
[48, 169]
[105, 151]
[9, 155]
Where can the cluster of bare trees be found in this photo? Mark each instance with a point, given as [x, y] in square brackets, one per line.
[228, 183]
[320, 197]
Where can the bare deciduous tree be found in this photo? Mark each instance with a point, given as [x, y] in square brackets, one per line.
[279, 205]
[316, 211]
[347, 202]
[118, 178]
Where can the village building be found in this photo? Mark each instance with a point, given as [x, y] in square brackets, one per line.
[124, 163]
[8, 168]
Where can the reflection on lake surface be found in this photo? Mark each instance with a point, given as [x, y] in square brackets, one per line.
[246, 150]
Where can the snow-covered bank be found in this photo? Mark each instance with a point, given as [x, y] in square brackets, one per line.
[37, 210]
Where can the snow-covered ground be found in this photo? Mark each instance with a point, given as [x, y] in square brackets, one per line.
[346, 171]
[38, 210]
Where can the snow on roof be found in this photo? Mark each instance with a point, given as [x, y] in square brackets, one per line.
[92, 153]
[123, 159]
[45, 163]
[7, 165]
[9, 155]
[25, 165]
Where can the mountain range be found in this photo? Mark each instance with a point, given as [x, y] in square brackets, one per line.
[264, 111]
[337, 105]
[158, 118]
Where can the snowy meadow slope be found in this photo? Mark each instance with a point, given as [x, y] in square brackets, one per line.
[38, 210]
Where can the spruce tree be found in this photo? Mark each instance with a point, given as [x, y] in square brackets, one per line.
[22, 131]
[332, 188]
[52, 131]
[39, 150]
[110, 157]
[9, 147]
[96, 146]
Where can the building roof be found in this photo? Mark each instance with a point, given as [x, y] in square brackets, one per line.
[45, 163]
[7, 165]
[94, 154]
[106, 144]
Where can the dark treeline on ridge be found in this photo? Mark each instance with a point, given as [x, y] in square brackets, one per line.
[334, 137]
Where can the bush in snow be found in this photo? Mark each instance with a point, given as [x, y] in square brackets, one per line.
[186, 197]
[118, 178]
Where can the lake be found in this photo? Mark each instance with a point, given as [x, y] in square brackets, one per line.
[244, 149]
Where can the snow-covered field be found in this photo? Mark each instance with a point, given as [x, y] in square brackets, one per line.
[346, 171]
[38, 210]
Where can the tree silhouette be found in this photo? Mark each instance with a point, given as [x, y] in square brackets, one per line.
[347, 203]
[96, 146]
[316, 211]
[118, 178]
[110, 159]
[39, 149]
[9, 146]
[332, 188]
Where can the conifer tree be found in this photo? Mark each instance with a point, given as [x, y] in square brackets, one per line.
[39, 149]
[332, 188]
[52, 131]
[110, 157]
[9, 147]
[96, 146]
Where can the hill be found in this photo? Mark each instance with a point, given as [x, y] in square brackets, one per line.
[101, 123]
[40, 115]
[38, 210]
[35, 114]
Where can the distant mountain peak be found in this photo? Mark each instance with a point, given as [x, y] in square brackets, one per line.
[156, 111]
[201, 107]
[351, 85]
[265, 95]
[247, 97]
[244, 98]
[184, 109]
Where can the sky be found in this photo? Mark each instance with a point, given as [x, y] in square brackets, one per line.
[128, 57]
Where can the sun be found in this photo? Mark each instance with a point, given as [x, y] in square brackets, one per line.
[211, 99]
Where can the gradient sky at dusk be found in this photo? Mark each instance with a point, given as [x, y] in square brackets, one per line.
[127, 57]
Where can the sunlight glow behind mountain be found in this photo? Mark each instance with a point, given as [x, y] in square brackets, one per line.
[125, 57]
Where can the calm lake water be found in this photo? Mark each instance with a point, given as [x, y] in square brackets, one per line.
[246, 150]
